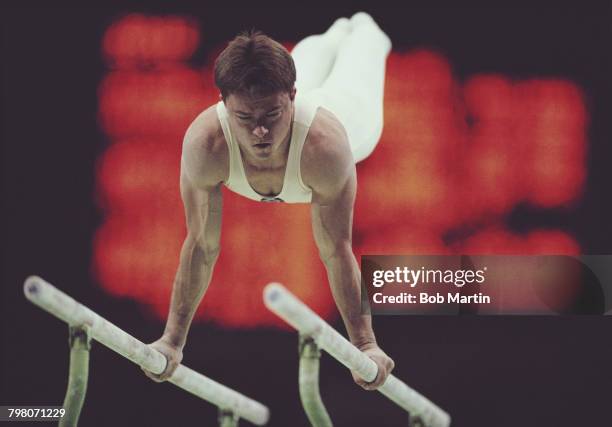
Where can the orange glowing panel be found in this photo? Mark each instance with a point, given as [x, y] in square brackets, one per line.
[140, 174]
[497, 240]
[492, 153]
[156, 103]
[527, 142]
[555, 120]
[137, 40]
[407, 178]
[399, 239]
[516, 283]
[137, 255]
[553, 242]
[491, 98]
[488, 184]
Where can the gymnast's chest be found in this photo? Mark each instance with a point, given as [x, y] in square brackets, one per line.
[267, 182]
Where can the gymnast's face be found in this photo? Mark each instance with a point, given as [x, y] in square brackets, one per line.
[261, 123]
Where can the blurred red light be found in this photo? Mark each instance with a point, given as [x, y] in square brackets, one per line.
[139, 40]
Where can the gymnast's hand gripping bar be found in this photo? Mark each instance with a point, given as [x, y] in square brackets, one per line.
[50, 299]
[283, 303]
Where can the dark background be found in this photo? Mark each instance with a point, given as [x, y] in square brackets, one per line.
[495, 371]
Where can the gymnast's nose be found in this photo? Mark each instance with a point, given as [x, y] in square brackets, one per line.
[260, 131]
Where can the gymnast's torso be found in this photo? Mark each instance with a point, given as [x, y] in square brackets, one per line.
[313, 132]
[282, 184]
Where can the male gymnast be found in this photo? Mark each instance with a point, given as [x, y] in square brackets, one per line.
[275, 138]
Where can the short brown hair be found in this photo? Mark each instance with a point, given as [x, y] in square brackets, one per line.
[253, 63]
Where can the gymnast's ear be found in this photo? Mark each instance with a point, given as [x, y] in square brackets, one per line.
[292, 93]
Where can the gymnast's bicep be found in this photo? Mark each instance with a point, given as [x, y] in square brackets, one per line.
[203, 210]
[332, 218]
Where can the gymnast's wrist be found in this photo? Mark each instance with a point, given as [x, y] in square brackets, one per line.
[174, 339]
[365, 344]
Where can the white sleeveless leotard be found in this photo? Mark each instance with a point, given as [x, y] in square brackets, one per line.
[294, 190]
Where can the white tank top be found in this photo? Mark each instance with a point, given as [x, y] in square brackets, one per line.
[294, 190]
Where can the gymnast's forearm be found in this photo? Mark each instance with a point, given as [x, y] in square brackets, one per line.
[192, 279]
[345, 279]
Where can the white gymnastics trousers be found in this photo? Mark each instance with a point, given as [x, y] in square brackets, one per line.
[343, 71]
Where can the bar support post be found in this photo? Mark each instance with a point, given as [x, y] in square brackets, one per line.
[80, 344]
[227, 418]
[309, 383]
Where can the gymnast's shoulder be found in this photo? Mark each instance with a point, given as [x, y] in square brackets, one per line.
[205, 154]
[326, 156]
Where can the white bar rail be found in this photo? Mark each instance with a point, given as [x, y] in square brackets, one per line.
[47, 297]
[282, 302]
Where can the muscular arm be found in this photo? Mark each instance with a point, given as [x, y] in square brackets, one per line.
[332, 218]
[330, 171]
[198, 256]
[202, 171]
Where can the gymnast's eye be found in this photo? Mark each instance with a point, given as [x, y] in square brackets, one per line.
[244, 118]
[273, 114]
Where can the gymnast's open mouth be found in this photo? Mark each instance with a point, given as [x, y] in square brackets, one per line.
[263, 145]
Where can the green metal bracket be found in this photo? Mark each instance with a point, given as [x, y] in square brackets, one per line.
[227, 418]
[309, 383]
[80, 344]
